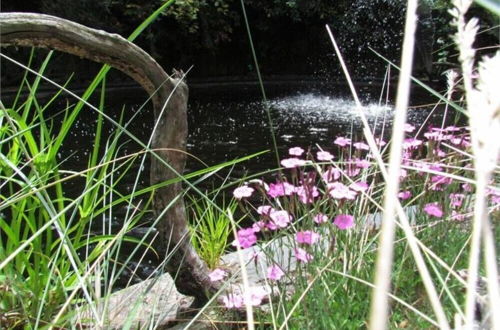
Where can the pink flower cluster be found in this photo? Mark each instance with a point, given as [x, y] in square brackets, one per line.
[326, 194]
[236, 300]
[271, 219]
[307, 237]
[434, 168]
[433, 209]
[217, 275]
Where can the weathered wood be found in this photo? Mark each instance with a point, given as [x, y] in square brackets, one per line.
[169, 140]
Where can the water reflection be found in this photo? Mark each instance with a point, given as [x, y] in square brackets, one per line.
[224, 130]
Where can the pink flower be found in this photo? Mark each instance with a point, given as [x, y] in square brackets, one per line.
[272, 226]
[258, 226]
[362, 163]
[302, 255]
[307, 193]
[404, 195]
[342, 141]
[411, 143]
[465, 143]
[243, 191]
[339, 191]
[233, 301]
[456, 140]
[292, 162]
[331, 174]
[280, 189]
[217, 275]
[324, 156]
[281, 218]
[296, 151]
[433, 209]
[344, 221]
[438, 152]
[264, 209]
[409, 128]
[257, 294]
[457, 216]
[436, 136]
[359, 186]
[422, 167]
[361, 146]
[380, 142]
[246, 238]
[467, 187]
[274, 273]
[436, 167]
[492, 191]
[436, 187]
[320, 218]
[456, 200]
[440, 179]
[406, 159]
[306, 237]
[352, 171]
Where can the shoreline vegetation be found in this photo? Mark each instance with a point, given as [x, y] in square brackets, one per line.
[353, 232]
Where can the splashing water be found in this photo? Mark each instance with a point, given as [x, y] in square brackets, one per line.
[323, 107]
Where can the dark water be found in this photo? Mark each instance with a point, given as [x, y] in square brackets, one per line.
[224, 130]
[233, 123]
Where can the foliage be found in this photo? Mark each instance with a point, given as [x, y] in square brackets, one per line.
[46, 241]
[207, 33]
[49, 244]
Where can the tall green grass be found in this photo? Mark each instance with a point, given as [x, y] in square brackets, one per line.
[43, 229]
[211, 229]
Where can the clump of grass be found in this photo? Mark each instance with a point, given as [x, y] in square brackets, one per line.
[210, 229]
[46, 244]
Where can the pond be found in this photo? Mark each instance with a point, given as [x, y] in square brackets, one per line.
[230, 121]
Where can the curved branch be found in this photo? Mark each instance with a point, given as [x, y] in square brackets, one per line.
[28, 29]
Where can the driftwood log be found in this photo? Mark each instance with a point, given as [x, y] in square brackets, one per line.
[169, 140]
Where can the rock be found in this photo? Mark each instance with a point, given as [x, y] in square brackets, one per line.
[152, 302]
